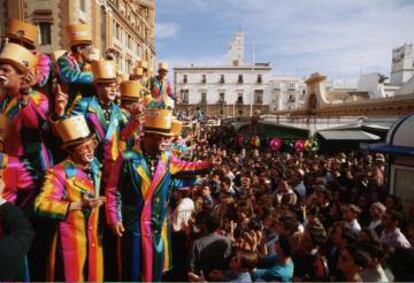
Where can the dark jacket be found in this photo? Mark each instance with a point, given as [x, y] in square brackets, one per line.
[17, 236]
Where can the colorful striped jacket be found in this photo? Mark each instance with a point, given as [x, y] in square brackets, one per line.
[77, 239]
[17, 179]
[109, 133]
[29, 129]
[139, 200]
[75, 75]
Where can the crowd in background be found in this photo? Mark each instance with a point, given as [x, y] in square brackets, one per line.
[271, 216]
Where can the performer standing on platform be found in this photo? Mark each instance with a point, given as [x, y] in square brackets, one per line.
[102, 113]
[25, 112]
[74, 66]
[71, 194]
[137, 196]
[160, 87]
[26, 35]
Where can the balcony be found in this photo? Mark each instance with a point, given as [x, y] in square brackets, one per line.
[239, 101]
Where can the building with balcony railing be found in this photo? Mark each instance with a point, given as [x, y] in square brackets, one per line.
[226, 90]
[124, 25]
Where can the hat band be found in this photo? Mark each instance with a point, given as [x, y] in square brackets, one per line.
[157, 130]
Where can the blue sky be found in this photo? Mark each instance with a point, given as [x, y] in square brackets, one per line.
[336, 37]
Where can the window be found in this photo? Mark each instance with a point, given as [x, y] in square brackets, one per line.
[203, 79]
[222, 79]
[222, 97]
[129, 41]
[45, 33]
[291, 98]
[292, 85]
[240, 79]
[82, 5]
[240, 112]
[276, 86]
[184, 96]
[204, 98]
[185, 79]
[258, 96]
[240, 98]
[259, 79]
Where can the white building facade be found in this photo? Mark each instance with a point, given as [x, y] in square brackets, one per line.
[287, 93]
[236, 89]
[402, 67]
[224, 90]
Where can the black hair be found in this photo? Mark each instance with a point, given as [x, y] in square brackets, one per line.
[284, 244]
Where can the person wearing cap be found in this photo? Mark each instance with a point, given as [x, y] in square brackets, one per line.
[24, 111]
[71, 195]
[26, 35]
[160, 87]
[137, 195]
[101, 112]
[73, 66]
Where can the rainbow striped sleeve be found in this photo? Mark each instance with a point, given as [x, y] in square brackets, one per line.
[35, 113]
[178, 166]
[113, 197]
[16, 177]
[70, 74]
[43, 69]
[50, 202]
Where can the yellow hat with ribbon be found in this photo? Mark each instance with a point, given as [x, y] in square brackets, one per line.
[79, 34]
[163, 66]
[158, 121]
[143, 64]
[130, 90]
[104, 71]
[73, 130]
[22, 31]
[138, 71]
[18, 56]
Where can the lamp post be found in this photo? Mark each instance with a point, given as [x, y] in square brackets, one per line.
[252, 86]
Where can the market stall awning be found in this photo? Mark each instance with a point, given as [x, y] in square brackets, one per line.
[348, 135]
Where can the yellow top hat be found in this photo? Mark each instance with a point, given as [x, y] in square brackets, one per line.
[104, 70]
[22, 31]
[163, 66]
[158, 121]
[138, 71]
[79, 34]
[18, 56]
[130, 90]
[143, 64]
[176, 127]
[73, 130]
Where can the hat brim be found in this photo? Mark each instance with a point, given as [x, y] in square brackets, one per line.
[78, 141]
[79, 42]
[20, 67]
[21, 39]
[130, 98]
[111, 80]
[153, 131]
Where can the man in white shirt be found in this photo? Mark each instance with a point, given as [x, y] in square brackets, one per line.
[392, 236]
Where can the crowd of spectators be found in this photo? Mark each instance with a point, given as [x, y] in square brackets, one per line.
[263, 215]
